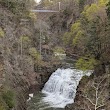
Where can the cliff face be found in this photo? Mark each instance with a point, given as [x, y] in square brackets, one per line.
[21, 69]
[17, 72]
[61, 22]
[93, 93]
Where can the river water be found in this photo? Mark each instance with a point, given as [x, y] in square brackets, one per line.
[59, 90]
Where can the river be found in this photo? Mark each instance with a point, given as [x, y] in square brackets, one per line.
[58, 91]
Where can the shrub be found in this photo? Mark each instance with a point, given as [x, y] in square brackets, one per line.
[25, 40]
[8, 97]
[35, 54]
[17, 7]
[86, 64]
[1, 32]
[2, 107]
[59, 50]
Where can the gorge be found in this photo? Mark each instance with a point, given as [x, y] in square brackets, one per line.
[45, 55]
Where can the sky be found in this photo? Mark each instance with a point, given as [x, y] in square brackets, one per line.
[37, 1]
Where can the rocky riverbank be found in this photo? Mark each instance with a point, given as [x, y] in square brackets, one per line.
[89, 90]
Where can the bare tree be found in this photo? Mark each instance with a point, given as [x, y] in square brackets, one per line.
[95, 95]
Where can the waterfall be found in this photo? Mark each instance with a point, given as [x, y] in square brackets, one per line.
[60, 89]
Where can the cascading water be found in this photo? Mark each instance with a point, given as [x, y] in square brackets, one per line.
[59, 90]
[61, 87]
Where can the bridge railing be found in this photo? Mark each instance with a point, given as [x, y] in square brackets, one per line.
[58, 6]
[54, 7]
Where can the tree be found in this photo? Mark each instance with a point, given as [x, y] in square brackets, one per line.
[81, 5]
[108, 9]
[24, 43]
[95, 94]
[90, 34]
[86, 64]
[18, 7]
[36, 56]
[1, 32]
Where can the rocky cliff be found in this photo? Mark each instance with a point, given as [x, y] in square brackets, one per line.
[17, 67]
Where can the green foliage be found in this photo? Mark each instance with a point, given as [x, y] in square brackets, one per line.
[90, 12]
[108, 10]
[25, 39]
[18, 7]
[78, 36]
[46, 2]
[35, 54]
[75, 27]
[13, 5]
[7, 101]
[8, 97]
[1, 33]
[90, 33]
[2, 104]
[2, 107]
[86, 64]
[93, 39]
[103, 2]
[81, 4]
[73, 36]
[66, 38]
[32, 15]
[59, 50]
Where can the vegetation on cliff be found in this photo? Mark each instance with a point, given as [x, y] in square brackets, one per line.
[17, 32]
[89, 35]
[7, 99]
[81, 29]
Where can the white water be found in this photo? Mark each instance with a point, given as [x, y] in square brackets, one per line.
[61, 87]
[30, 96]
